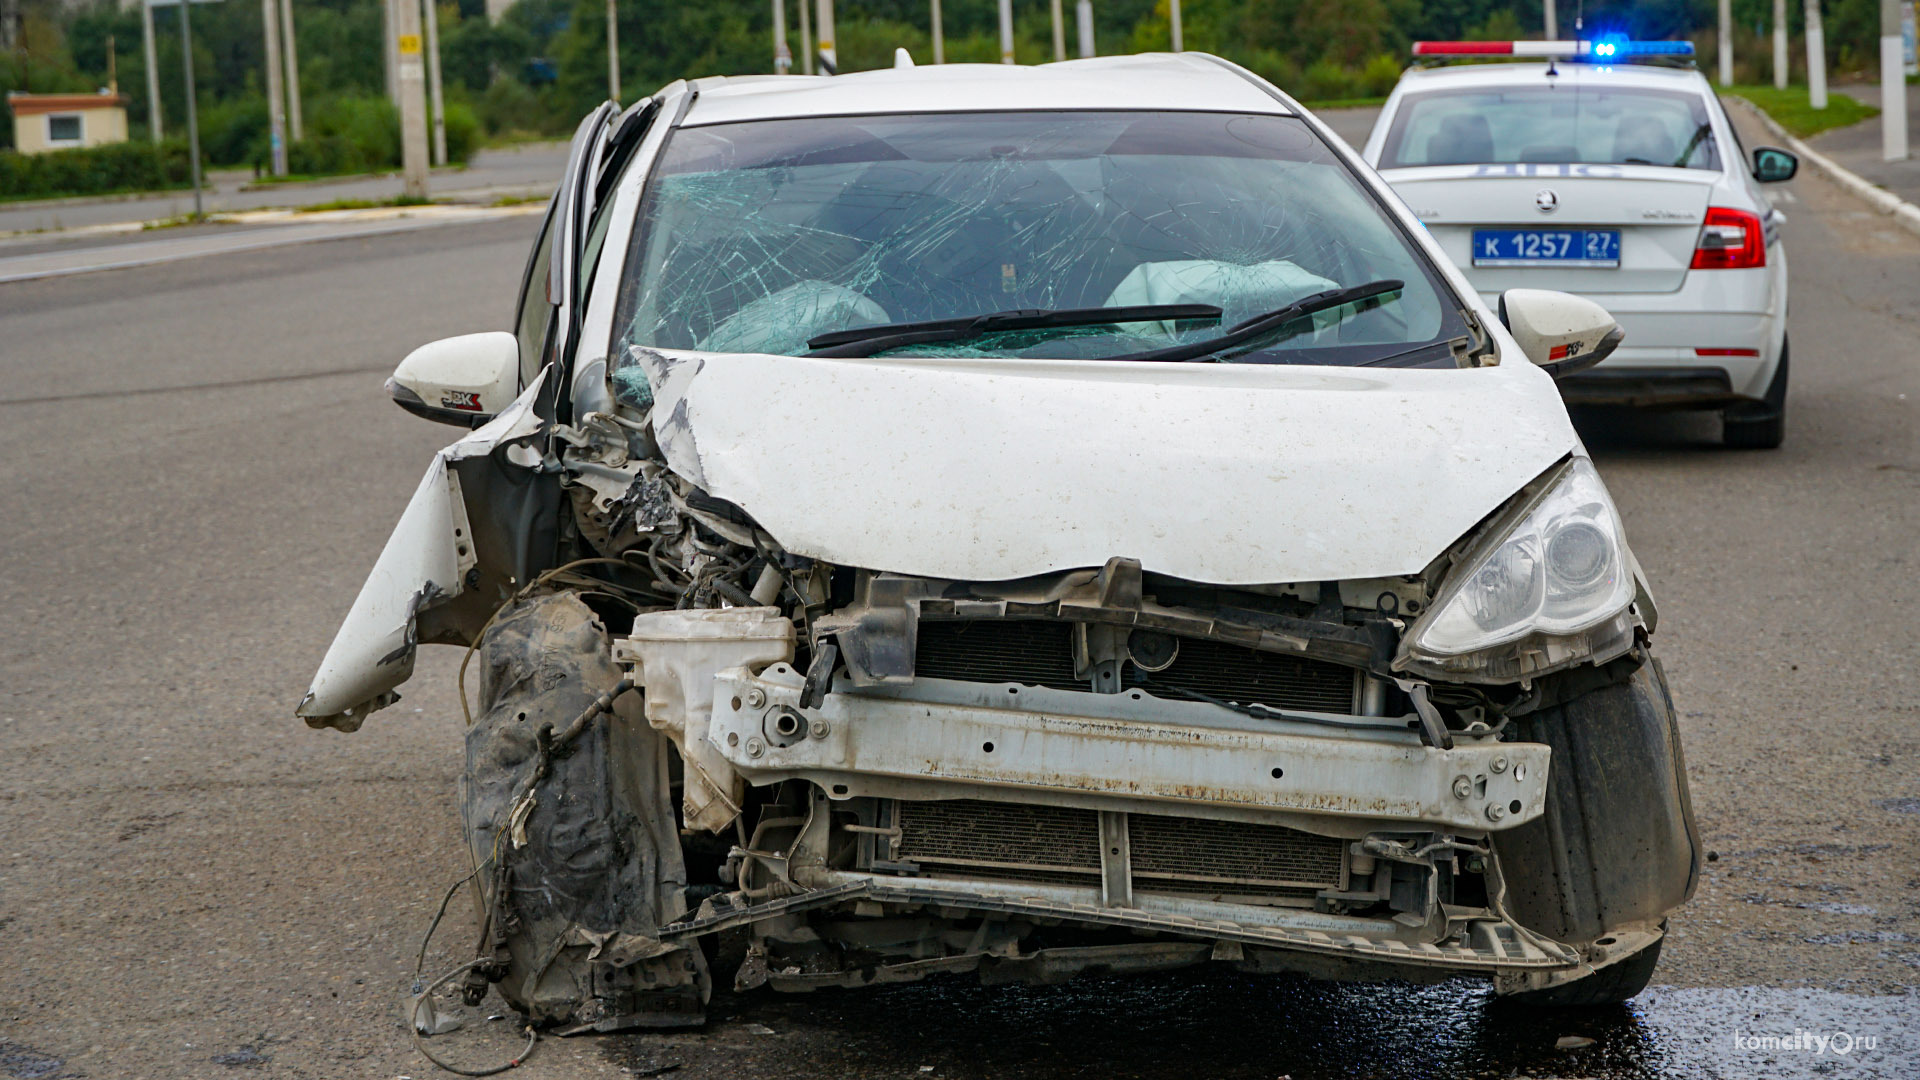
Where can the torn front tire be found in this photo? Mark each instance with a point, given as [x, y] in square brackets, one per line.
[578, 868]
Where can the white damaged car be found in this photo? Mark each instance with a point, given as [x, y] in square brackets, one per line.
[1023, 521]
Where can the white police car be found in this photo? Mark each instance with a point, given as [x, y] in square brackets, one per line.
[1625, 184]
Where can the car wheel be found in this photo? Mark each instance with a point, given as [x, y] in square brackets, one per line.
[1763, 424]
[1611, 985]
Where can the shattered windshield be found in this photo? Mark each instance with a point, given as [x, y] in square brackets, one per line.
[757, 237]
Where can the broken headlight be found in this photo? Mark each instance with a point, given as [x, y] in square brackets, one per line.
[1553, 591]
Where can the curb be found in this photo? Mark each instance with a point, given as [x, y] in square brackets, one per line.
[1902, 211]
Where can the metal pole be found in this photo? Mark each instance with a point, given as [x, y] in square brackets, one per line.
[437, 104]
[276, 109]
[1893, 89]
[782, 57]
[193, 110]
[153, 71]
[613, 51]
[1816, 57]
[806, 39]
[1779, 44]
[1006, 31]
[295, 127]
[412, 79]
[1552, 21]
[1083, 15]
[1059, 32]
[823, 21]
[939, 36]
[1173, 25]
[1726, 42]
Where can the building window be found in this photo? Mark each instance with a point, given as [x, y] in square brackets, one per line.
[63, 128]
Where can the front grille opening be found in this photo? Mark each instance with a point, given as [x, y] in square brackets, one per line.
[1033, 652]
[1061, 845]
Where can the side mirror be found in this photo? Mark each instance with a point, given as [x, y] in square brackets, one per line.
[1772, 165]
[1560, 332]
[461, 380]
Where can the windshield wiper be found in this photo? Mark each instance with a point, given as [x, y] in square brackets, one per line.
[867, 340]
[1263, 326]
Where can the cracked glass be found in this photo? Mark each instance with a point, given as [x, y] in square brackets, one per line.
[755, 237]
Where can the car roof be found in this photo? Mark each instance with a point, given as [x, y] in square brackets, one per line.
[1158, 81]
[1474, 76]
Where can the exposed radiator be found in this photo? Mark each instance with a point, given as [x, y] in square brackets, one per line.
[1040, 653]
[1049, 844]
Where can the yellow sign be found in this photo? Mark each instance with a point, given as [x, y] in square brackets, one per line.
[409, 44]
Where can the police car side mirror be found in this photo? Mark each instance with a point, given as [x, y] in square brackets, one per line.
[1560, 332]
[461, 380]
[1772, 165]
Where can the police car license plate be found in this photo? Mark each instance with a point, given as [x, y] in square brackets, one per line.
[1546, 247]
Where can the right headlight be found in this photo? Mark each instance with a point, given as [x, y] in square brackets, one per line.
[1552, 592]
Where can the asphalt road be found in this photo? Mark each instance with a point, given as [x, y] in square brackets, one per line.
[198, 466]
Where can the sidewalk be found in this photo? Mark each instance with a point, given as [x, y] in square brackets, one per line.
[1857, 147]
[532, 169]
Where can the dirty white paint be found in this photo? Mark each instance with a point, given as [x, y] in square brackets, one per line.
[1223, 473]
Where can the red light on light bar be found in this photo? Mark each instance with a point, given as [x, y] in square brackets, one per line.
[1463, 48]
[1726, 352]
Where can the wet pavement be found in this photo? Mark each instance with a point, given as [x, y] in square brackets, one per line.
[1212, 1026]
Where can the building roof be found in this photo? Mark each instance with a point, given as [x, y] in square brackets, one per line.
[1162, 81]
[34, 104]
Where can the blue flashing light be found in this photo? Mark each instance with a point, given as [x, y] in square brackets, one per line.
[1611, 47]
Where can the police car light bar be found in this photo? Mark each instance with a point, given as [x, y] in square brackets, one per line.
[1604, 49]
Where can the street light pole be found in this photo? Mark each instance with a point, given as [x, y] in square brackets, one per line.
[782, 58]
[411, 79]
[613, 52]
[1006, 31]
[435, 101]
[823, 27]
[1893, 88]
[153, 70]
[1059, 33]
[939, 36]
[1083, 15]
[1552, 20]
[1173, 25]
[276, 115]
[1779, 44]
[1726, 42]
[295, 128]
[806, 39]
[1816, 57]
[193, 110]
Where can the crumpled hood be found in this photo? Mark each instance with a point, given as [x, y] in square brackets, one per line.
[984, 470]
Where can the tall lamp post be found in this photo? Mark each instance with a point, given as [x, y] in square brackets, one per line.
[1893, 88]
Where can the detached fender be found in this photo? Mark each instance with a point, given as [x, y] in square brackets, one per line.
[436, 580]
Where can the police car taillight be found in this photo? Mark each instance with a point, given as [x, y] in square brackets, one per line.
[1730, 240]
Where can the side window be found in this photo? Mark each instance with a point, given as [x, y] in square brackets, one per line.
[536, 309]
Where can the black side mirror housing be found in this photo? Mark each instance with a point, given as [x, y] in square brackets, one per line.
[1771, 164]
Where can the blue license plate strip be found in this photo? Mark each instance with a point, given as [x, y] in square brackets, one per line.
[1546, 247]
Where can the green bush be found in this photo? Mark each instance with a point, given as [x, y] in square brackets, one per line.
[232, 132]
[1325, 80]
[463, 132]
[1380, 75]
[127, 166]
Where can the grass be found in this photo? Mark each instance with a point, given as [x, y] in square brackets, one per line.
[518, 200]
[1346, 103]
[1790, 109]
[363, 204]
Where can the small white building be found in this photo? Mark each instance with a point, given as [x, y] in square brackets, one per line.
[43, 122]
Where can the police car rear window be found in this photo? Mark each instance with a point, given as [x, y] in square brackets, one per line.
[1551, 125]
